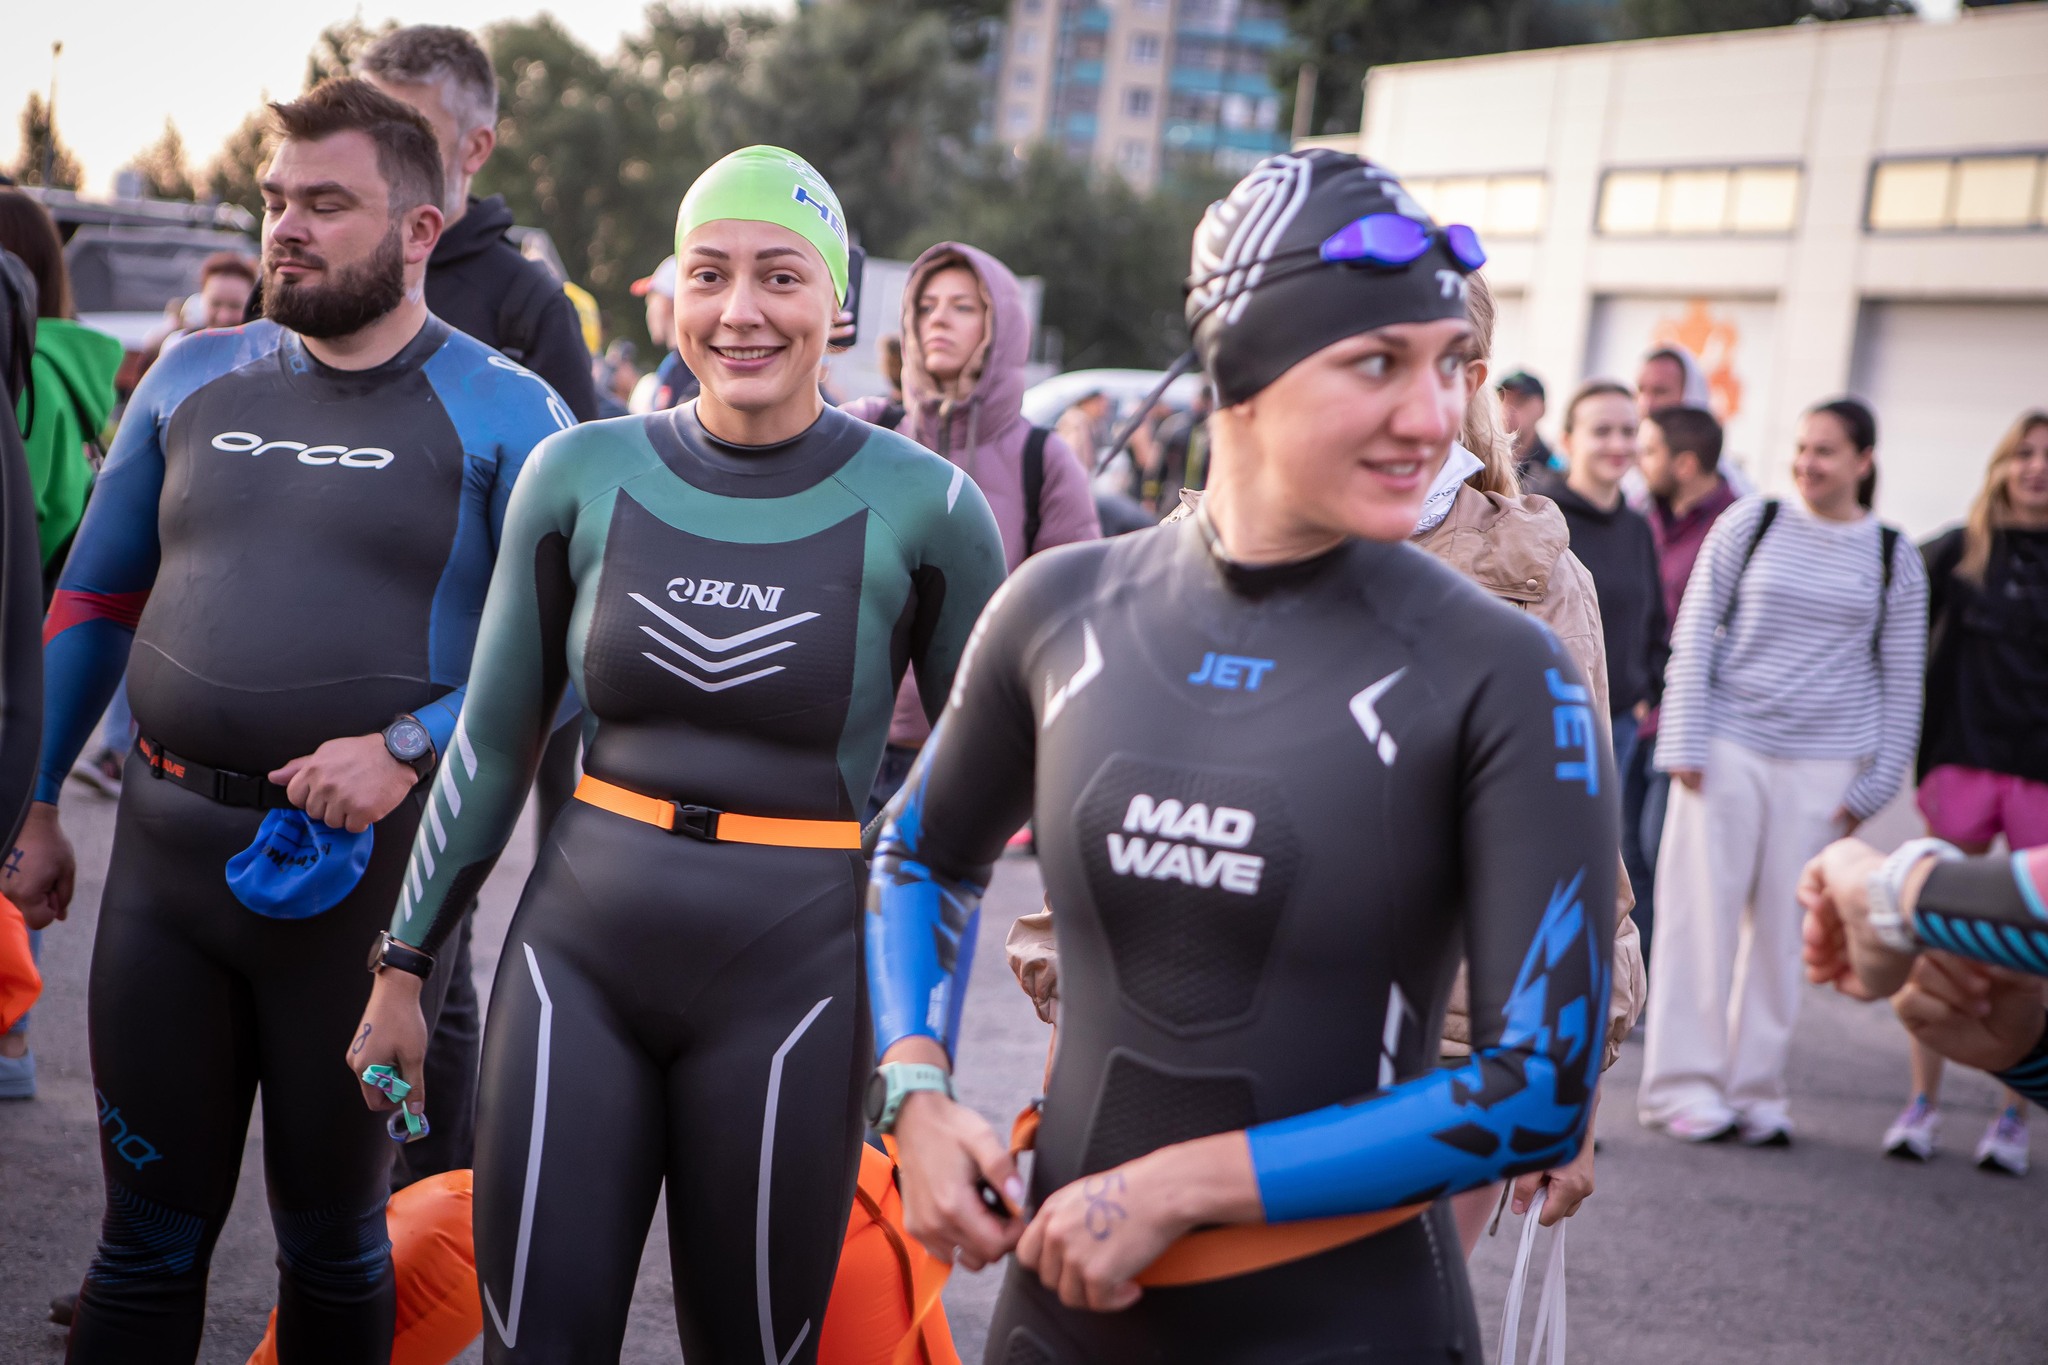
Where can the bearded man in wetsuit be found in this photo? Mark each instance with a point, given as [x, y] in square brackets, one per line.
[294, 531]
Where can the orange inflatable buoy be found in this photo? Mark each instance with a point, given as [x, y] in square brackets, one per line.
[433, 1258]
[20, 983]
[884, 1276]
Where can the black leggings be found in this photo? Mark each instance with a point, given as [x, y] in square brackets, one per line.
[194, 1002]
[679, 1012]
[1400, 1298]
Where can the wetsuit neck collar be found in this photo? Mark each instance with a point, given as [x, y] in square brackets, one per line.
[1256, 580]
[321, 380]
[771, 471]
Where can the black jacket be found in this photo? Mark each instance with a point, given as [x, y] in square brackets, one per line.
[477, 281]
[1618, 549]
[1987, 660]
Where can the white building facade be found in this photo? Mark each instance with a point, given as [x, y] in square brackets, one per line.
[1823, 209]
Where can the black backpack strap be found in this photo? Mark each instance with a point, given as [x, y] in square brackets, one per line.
[1887, 549]
[1756, 538]
[892, 416]
[1034, 486]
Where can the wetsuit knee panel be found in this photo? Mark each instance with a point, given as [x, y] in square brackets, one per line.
[342, 1251]
[141, 1239]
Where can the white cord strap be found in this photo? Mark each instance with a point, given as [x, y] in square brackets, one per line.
[1550, 1304]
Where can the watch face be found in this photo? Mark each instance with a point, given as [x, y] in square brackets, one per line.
[408, 740]
[875, 1098]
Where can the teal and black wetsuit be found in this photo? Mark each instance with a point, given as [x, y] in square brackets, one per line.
[1275, 807]
[295, 554]
[735, 621]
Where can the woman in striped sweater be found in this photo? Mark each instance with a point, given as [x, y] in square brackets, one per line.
[1791, 715]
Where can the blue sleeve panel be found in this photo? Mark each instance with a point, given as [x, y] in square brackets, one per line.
[2029, 1075]
[1507, 1110]
[921, 930]
[501, 410]
[1988, 909]
[113, 562]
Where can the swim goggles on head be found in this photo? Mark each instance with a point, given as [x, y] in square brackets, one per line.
[1388, 240]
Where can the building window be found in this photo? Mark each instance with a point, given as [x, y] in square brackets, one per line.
[1022, 78]
[1700, 201]
[1027, 43]
[1133, 157]
[1969, 193]
[1496, 205]
[1151, 6]
[1145, 48]
[1019, 118]
[1138, 102]
[1034, 6]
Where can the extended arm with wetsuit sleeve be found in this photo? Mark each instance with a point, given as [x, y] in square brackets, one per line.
[1994, 909]
[1256, 791]
[905, 542]
[231, 408]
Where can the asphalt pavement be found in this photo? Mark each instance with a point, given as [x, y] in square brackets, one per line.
[1821, 1254]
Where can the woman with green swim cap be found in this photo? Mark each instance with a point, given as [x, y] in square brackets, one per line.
[734, 588]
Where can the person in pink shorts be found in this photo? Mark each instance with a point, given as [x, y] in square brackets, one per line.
[1984, 739]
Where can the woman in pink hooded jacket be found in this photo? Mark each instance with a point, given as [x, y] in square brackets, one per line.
[965, 340]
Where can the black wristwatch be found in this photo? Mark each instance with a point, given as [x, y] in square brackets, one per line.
[401, 957]
[408, 741]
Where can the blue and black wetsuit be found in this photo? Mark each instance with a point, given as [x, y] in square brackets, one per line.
[1256, 791]
[1994, 910]
[296, 554]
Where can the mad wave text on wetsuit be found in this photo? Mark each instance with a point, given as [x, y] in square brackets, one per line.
[1169, 856]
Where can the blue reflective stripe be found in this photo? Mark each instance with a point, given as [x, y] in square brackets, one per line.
[2017, 942]
[2023, 878]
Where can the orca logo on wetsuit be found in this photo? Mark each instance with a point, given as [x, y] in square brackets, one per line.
[356, 457]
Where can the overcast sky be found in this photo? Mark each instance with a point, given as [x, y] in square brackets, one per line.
[128, 65]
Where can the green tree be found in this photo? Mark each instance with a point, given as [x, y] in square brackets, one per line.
[45, 160]
[163, 166]
[1661, 18]
[232, 176]
[336, 49]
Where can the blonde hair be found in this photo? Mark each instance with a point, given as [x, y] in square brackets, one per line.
[1993, 506]
[1481, 433]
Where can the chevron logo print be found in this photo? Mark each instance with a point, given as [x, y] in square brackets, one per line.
[717, 657]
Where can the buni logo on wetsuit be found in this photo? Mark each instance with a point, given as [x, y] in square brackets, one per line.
[1224, 829]
[1231, 672]
[714, 592]
[349, 457]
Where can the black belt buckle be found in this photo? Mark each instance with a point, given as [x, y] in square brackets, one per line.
[697, 822]
[237, 789]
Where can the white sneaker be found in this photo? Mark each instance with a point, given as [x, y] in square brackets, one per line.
[1693, 1126]
[1913, 1132]
[1764, 1132]
[2004, 1147]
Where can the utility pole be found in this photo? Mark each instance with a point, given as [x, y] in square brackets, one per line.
[50, 117]
[1305, 101]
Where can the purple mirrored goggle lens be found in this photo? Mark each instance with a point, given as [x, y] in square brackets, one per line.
[1391, 239]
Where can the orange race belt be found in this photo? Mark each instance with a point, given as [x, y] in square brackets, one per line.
[715, 826]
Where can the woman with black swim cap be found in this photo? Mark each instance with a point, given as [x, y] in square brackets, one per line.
[1265, 748]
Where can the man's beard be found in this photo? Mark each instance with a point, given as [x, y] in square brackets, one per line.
[355, 296]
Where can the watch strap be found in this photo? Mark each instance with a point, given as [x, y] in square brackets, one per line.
[400, 956]
[1887, 888]
[905, 1079]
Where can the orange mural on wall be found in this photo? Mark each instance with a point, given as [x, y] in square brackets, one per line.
[1712, 341]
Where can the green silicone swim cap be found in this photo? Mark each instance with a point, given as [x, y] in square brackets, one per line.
[770, 185]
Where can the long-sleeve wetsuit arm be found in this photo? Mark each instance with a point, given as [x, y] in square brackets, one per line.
[1993, 909]
[21, 614]
[1538, 833]
[106, 581]
[969, 791]
[960, 565]
[2029, 1075]
[517, 674]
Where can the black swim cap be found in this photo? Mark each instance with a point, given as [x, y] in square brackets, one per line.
[1261, 298]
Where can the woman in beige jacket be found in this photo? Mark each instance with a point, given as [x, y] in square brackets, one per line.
[1516, 546]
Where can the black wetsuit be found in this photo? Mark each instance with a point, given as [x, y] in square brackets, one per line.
[736, 622]
[297, 554]
[1274, 808]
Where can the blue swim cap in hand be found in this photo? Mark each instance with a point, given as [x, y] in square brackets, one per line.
[298, 868]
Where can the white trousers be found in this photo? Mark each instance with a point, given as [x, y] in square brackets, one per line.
[1726, 975]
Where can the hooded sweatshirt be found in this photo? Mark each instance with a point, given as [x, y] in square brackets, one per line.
[478, 283]
[72, 393]
[983, 431]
